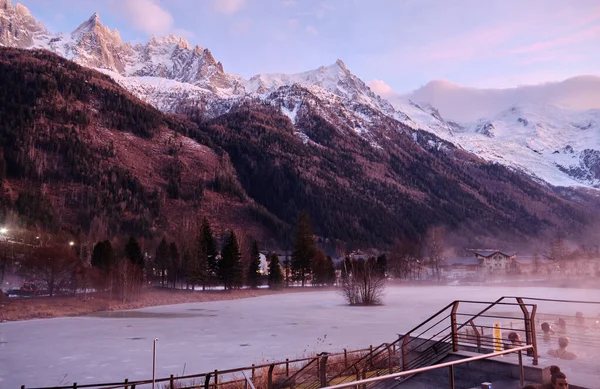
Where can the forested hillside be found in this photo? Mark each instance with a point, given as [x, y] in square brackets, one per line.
[80, 153]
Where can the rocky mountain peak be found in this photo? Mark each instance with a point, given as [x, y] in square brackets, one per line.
[18, 28]
[169, 40]
[94, 27]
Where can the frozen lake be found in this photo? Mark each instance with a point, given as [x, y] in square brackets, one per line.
[227, 334]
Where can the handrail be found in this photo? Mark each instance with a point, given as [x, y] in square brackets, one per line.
[427, 368]
[555, 300]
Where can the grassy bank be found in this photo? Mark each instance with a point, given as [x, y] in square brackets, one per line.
[45, 307]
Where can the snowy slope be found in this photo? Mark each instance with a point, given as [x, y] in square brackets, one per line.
[555, 145]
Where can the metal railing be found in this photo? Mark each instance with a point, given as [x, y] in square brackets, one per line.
[450, 365]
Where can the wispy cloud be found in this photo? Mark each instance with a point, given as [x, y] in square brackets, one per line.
[289, 3]
[312, 30]
[228, 7]
[578, 37]
[145, 15]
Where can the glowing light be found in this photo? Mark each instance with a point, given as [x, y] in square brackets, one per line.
[71, 243]
[3, 230]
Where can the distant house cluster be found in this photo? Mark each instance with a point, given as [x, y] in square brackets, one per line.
[499, 262]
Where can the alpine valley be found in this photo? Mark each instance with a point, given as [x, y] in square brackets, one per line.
[106, 136]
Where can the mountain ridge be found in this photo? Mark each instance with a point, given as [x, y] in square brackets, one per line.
[168, 73]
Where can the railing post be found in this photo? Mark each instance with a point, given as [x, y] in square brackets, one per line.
[216, 379]
[207, 381]
[529, 329]
[477, 335]
[22, 386]
[287, 367]
[323, 369]
[270, 377]
[345, 359]
[371, 355]
[171, 382]
[389, 352]
[75, 385]
[452, 377]
[521, 371]
[453, 323]
[534, 336]
[253, 370]
[405, 352]
[126, 386]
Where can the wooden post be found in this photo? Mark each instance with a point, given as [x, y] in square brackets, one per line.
[207, 381]
[171, 382]
[371, 355]
[323, 369]
[270, 377]
[454, 326]
[22, 386]
[451, 376]
[75, 384]
[253, 370]
[287, 367]
[345, 359]
[216, 379]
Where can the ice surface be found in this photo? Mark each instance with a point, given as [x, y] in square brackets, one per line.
[219, 335]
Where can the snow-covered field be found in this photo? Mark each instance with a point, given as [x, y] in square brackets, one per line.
[226, 334]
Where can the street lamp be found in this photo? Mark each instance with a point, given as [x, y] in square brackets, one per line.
[71, 243]
[3, 230]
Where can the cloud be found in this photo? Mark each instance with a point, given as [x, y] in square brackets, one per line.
[289, 3]
[379, 87]
[227, 7]
[312, 30]
[145, 15]
[578, 37]
[292, 23]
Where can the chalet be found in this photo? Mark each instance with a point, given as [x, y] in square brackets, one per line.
[459, 267]
[535, 265]
[496, 261]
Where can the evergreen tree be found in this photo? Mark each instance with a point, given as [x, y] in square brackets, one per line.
[304, 249]
[133, 252]
[382, 264]
[254, 267]
[329, 271]
[206, 255]
[186, 269]
[275, 276]
[174, 265]
[162, 259]
[103, 256]
[319, 268]
[230, 265]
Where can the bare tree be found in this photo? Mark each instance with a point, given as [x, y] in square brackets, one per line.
[362, 283]
[404, 258]
[52, 265]
[434, 247]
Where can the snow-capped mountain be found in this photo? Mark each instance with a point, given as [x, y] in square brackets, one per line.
[554, 144]
[558, 146]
